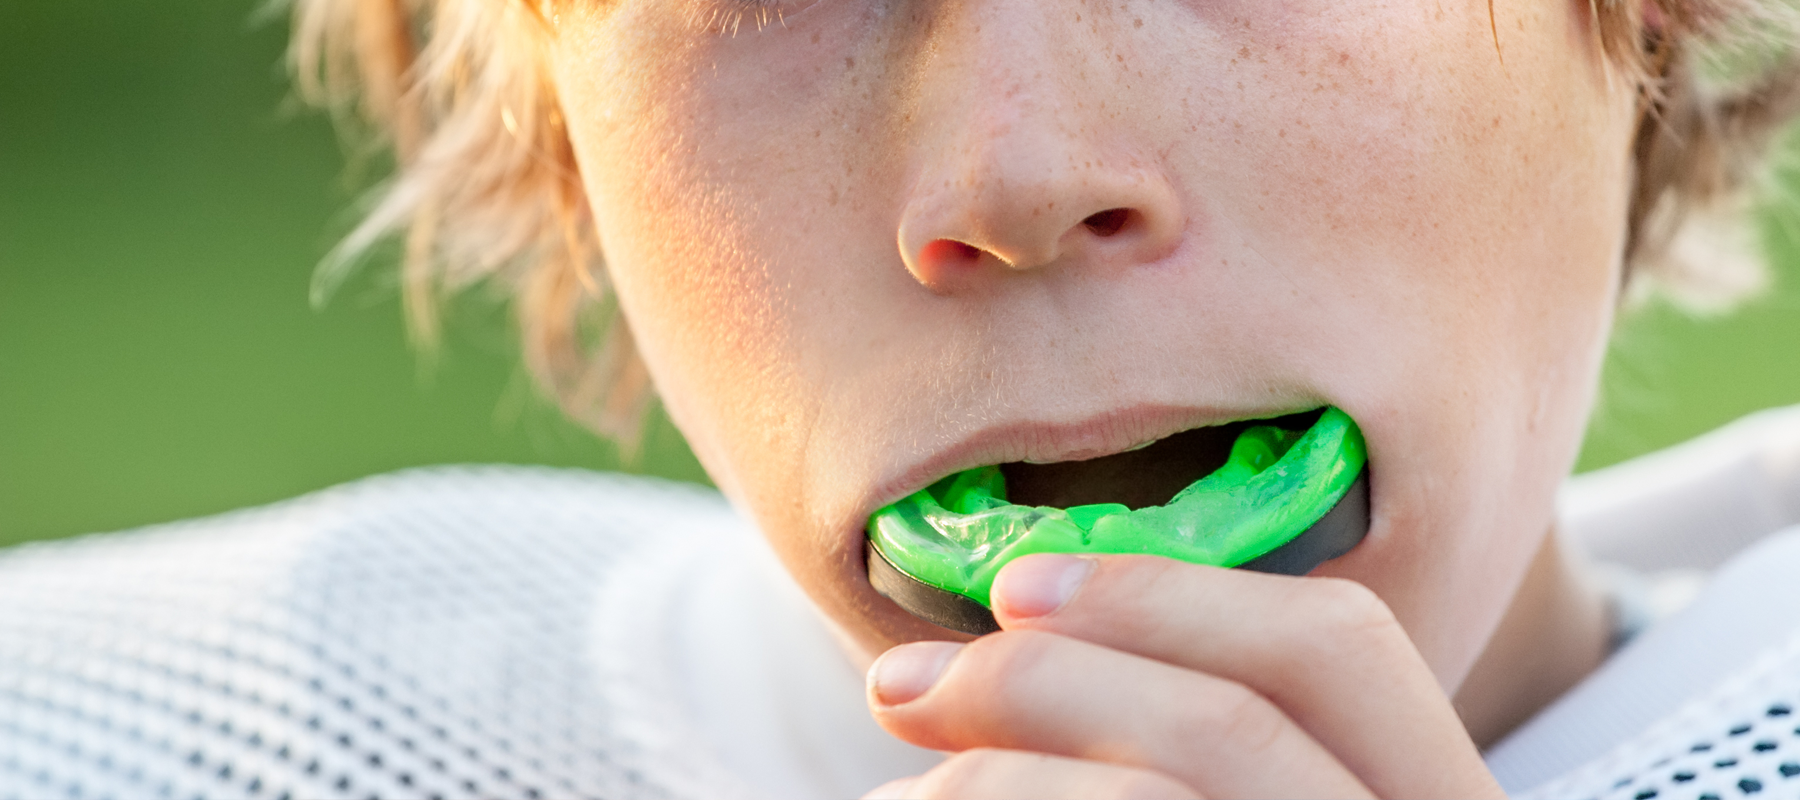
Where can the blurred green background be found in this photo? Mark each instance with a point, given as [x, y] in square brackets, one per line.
[161, 210]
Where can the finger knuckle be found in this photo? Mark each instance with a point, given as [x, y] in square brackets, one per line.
[1350, 614]
[1235, 716]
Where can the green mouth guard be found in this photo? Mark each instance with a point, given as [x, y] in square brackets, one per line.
[1285, 501]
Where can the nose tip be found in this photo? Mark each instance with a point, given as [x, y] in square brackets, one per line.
[950, 239]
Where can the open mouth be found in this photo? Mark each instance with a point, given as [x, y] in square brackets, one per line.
[1275, 495]
[1147, 476]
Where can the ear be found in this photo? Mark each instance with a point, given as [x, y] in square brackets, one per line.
[1651, 12]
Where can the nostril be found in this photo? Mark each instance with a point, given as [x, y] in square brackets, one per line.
[950, 251]
[1108, 222]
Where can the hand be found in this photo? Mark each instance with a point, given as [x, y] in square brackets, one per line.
[1144, 677]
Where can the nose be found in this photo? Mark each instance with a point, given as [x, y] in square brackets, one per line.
[1026, 161]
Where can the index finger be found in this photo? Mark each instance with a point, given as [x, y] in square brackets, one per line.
[1328, 652]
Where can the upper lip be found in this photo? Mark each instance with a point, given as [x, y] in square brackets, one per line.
[1103, 434]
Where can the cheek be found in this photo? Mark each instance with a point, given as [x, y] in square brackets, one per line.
[1450, 224]
[1427, 155]
[1452, 213]
[741, 211]
[670, 230]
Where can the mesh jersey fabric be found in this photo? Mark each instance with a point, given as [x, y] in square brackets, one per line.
[453, 632]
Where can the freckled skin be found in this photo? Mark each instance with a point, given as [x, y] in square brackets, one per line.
[1347, 203]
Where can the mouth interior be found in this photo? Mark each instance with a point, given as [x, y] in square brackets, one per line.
[1141, 478]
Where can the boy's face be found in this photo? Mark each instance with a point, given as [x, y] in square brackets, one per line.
[1313, 202]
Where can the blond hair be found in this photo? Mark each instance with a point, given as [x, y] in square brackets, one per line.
[486, 188]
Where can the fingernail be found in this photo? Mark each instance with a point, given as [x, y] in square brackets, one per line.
[1039, 584]
[907, 671]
